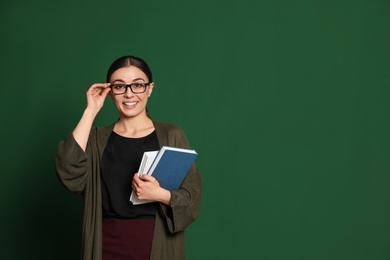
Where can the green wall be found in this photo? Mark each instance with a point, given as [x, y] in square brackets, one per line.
[286, 102]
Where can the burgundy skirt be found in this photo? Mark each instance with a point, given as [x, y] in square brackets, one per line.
[127, 239]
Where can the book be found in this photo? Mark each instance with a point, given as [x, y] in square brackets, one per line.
[146, 162]
[169, 166]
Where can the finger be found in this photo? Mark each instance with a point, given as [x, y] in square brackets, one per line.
[143, 178]
[147, 177]
[100, 86]
[95, 89]
[134, 187]
[105, 91]
[150, 179]
[136, 177]
[137, 181]
[134, 183]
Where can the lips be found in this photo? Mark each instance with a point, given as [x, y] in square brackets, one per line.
[130, 104]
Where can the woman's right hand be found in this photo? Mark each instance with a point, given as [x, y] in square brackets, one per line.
[96, 95]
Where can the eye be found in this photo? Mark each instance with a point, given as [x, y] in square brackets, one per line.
[139, 85]
[118, 86]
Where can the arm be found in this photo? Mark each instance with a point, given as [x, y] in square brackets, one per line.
[96, 95]
[180, 207]
[71, 165]
[185, 202]
[72, 159]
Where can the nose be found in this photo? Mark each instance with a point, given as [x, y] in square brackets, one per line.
[128, 93]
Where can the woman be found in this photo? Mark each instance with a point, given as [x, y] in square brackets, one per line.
[102, 163]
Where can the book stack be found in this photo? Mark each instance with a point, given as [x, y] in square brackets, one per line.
[169, 166]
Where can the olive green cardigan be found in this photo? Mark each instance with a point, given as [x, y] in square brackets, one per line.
[79, 172]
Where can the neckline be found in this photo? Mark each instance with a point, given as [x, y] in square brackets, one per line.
[134, 138]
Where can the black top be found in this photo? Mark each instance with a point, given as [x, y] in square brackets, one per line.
[120, 161]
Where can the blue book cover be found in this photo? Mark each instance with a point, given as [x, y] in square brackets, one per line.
[171, 166]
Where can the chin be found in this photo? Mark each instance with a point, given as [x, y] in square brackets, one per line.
[132, 114]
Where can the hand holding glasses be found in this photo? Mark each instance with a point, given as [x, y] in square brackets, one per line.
[136, 88]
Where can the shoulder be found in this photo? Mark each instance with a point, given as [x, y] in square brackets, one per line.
[102, 130]
[170, 134]
[100, 135]
[167, 127]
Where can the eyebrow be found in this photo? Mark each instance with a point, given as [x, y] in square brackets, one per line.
[124, 81]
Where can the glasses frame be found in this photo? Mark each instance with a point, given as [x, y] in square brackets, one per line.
[130, 86]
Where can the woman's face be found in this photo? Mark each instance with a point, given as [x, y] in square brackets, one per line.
[130, 104]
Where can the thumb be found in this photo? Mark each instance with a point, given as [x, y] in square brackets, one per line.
[146, 177]
[106, 90]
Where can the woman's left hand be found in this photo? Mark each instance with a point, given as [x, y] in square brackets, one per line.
[147, 187]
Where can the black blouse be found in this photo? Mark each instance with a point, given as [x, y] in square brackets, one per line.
[120, 161]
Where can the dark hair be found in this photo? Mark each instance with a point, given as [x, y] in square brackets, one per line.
[127, 61]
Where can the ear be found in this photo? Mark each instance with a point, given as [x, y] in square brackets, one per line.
[150, 89]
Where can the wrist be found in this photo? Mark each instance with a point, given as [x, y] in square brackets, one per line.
[164, 197]
[91, 111]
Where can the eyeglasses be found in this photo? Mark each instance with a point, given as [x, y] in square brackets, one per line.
[136, 88]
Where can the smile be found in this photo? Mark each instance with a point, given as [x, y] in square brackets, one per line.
[130, 104]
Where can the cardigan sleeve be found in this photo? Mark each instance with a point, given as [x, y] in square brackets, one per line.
[185, 201]
[71, 165]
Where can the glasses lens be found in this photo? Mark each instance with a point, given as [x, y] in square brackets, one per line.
[138, 87]
[118, 88]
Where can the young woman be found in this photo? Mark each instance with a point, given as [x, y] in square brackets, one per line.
[102, 164]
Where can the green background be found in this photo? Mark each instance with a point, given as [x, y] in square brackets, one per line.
[286, 102]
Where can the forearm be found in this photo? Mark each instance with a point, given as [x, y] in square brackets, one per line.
[164, 196]
[83, 128]
[184, 203]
